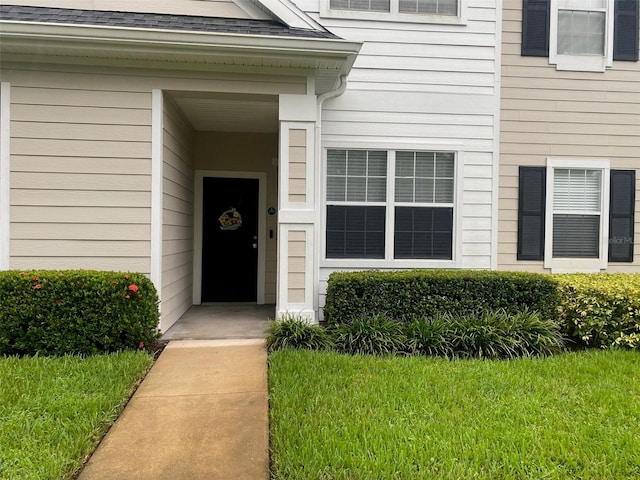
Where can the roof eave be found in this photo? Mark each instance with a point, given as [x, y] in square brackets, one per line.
[47, 39]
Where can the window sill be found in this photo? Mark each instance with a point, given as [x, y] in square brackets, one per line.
[575, 265]
[355, 263]
[581, 63]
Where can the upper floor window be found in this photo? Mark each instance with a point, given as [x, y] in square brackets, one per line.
[427, 11]
[581, 35]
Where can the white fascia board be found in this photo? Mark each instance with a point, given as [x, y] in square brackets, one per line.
[288, 13]
[97, 37]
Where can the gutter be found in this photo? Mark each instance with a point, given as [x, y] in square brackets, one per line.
[339, 90]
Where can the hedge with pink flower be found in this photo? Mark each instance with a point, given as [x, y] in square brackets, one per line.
[57, 312]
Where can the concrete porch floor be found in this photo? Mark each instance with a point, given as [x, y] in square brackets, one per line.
[222, 321]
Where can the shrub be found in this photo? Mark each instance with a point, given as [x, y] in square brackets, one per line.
[534, 335]
[292, 331]
[76, 312]
[430, 337]
[600, 310]
[377, 335]
[499, 335]
[404, 295]
[486, 336]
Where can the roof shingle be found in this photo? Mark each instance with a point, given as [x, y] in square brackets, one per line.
[155, 21]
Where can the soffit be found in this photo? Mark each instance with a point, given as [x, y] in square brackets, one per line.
[229, 112]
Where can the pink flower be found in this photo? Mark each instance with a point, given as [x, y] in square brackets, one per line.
[37, 287]
[34, 279]
[127, 297]
[141, 345]
[133, 288]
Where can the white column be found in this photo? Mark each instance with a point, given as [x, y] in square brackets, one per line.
[297, 207]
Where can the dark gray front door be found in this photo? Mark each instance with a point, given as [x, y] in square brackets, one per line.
[229, 239]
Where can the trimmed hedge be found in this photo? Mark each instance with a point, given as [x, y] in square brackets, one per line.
[51, 312]
[406, 295]
[600, 310]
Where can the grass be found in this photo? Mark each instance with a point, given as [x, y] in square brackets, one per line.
[53, 411]
[571, 416]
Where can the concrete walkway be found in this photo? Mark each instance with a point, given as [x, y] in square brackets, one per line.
[201, 413]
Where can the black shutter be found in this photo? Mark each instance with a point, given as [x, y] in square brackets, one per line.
[535, 27]
[621, 215]
[532, 188]
[625, 30]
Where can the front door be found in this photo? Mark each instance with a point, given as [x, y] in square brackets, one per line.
[229, 239]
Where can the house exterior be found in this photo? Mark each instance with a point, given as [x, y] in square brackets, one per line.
[242, 150]
[570, 136]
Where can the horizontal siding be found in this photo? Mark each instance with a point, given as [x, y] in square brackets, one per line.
[80, 177]
[425, 86]
[549, 113]
[177, 204]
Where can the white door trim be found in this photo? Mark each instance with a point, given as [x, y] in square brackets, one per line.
[197, 228]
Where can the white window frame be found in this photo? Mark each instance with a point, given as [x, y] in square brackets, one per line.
[569, 265]
[394, 14]
[389, 261]
[581, 63]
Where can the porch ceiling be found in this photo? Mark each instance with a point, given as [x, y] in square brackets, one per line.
[229, 112]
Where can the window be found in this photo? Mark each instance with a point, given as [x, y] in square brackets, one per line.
[356, 194]
[363, 5]
[577, 213]
[423, 205]
[590, 214]
[581, 35]
[431, 11]
[411, 217]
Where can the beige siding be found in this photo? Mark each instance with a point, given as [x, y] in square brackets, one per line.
[298, 166]
[250, 152]
[80, 176]
[297, 245]
[549, 113]
[177, 218]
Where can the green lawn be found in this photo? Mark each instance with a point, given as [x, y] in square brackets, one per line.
[571, 416]
[53, 411]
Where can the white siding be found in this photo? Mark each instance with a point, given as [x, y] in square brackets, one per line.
[425, 87]
[550, 113]
[177, 204]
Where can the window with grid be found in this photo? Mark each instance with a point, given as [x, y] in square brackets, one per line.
[433, 7]
[356, 208]
[429, 7]
[418, 206]
[424, 184]
[582, 32]
[577, 211]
